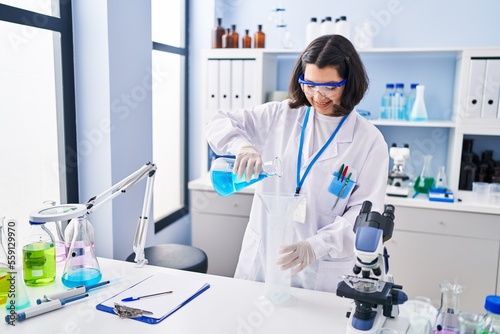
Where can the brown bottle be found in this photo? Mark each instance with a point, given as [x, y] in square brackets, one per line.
[235, 37]
[246, 40]
[226, 40]
[217, 33]
[259, 40]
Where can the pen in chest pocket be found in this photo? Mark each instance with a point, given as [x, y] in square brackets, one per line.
[342, 190]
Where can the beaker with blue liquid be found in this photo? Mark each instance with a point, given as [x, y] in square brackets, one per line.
[226, 182]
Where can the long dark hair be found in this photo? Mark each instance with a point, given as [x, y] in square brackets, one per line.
[338, 52]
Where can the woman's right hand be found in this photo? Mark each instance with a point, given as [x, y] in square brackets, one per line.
[248, 161]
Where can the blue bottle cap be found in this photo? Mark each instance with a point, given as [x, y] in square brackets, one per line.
[413, 85]
[389, 85]
[400, 85]
[492, 304]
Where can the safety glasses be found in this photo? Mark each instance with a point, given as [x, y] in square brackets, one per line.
[328, 89]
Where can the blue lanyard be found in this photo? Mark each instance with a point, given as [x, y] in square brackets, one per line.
[300, 180]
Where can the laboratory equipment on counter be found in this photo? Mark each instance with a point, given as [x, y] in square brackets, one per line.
[226, 183]
[280, 209]
[447, 318]
[81, 267]
[70, 293]
[40, 309]
[39, 255]
[81, 258]
[398, 180]
[375, 295]
[425, 181]
[419, 111]
[492, 317]
[471, 323]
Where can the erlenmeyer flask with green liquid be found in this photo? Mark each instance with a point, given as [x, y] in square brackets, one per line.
[425, 181]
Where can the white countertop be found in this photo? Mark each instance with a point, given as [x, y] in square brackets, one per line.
[228, 306]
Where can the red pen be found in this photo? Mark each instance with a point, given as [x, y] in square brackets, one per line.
[344, 173]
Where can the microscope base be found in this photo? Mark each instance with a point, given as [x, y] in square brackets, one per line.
[400, 324]
[397, 191]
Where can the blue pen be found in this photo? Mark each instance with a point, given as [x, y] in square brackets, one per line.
[41, 309]
[79, 290]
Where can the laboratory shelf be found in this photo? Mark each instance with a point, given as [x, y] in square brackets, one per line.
[427, 124]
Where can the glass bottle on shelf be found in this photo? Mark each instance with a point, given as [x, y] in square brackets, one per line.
[385, 105]
[259, 39]
[226, 40]
[217, 33]
[246, 41]
[468, 171]
[234, 37]
[410, 100]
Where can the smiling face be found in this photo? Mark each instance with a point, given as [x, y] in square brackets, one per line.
[323, 98]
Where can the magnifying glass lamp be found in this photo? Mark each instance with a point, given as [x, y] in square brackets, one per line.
[81, 266]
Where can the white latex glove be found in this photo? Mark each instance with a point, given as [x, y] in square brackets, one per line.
[248, 161]
[296, 256]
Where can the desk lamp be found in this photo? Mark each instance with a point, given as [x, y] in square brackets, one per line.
[81, 266]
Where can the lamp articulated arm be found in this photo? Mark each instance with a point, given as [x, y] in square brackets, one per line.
[149, 171]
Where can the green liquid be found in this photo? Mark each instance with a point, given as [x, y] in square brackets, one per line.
[424, 187]
[4, 285]
[39, 263]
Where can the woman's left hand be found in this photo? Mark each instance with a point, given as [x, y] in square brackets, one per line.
[296, 256]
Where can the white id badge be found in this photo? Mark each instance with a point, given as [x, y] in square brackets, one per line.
[299, 215]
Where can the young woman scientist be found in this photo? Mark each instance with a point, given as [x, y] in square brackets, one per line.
[319, 130]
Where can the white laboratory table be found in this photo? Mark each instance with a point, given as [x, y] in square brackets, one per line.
[228, 306]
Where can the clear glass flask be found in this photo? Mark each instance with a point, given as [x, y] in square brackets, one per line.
[280, 209]
[226, 183]
[447, 319]
[425, 181]
[81, 266]
[471, 323]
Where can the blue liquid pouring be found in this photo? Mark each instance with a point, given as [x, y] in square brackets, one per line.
[82, 276]
[225, 183]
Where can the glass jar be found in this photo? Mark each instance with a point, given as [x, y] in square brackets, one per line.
[39, 256]
[492, 317]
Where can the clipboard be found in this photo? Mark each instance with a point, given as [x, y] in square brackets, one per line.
[160, 307]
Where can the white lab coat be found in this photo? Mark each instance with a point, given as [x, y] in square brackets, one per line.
[274, 129]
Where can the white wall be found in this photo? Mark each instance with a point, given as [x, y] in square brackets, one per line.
[395, 23]
[112, 61]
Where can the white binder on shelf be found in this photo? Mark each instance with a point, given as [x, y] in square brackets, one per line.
[212, 85]
[249, 84]
[475, 89]
[491, 90]
[225, 84]
[237, 84]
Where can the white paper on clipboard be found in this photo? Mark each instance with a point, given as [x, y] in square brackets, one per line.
[184, 289]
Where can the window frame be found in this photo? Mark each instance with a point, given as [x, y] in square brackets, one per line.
[63, 25]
